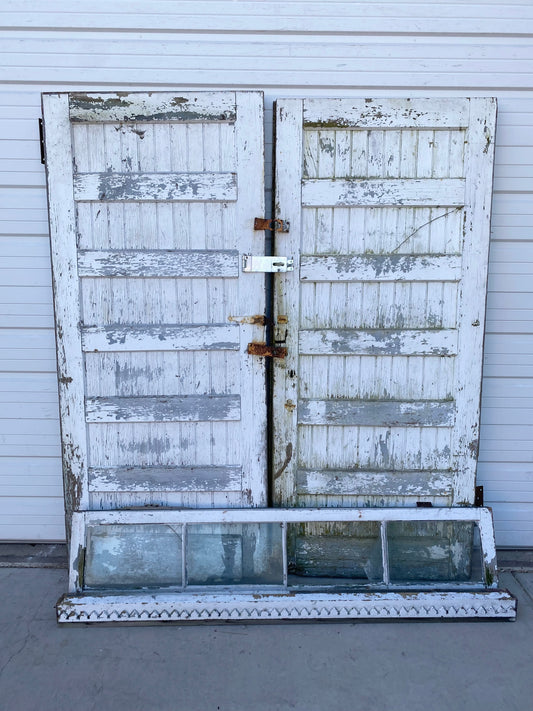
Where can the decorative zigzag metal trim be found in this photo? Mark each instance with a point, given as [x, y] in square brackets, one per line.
[248, 607]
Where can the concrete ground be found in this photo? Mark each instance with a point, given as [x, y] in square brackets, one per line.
[367, 666]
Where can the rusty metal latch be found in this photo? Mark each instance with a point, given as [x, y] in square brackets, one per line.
[257, 263]
[264, 351]
[261, 223]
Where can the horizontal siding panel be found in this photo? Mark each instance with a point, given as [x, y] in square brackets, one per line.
[32, 477]
[32, 519]
[310, 16]
[513, 523]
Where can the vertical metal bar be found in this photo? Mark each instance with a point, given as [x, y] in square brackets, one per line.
[284, 549]
[384, 552]
[184, 556]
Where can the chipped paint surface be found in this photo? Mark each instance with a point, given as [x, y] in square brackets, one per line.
[201, 186]
[153, 106]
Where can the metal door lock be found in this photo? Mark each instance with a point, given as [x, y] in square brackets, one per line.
[257, 263]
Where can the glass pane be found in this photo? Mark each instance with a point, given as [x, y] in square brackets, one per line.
[335, 550]
[235, 554]
[133, 556]
[433, 551]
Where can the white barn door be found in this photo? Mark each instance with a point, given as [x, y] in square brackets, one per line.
[377, 403]
[152, 201]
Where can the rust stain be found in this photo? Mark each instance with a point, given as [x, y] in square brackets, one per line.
[288, 457]
[257, 320]
[290, 406]
[264, 351]
[474, 447]
[283, 319]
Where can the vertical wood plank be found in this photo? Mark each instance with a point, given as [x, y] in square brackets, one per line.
[62, 216]
[471, 313]
[250, 156]
[288, 201]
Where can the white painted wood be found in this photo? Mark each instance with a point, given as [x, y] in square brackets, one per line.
[182, 607]
[160, 106]
[479, 157]
[171, 395]
[289, 119]
[202, 337]
[378, 331]
[159, 263]
[392, 113]
[378, 342]
[173, 186]
[187, 408]
[169, 478]
[65, 279]
[378, 269]
[383, 192]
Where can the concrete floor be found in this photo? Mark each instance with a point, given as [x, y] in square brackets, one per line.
[314, 666]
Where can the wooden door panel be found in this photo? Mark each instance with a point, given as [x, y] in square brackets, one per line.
[377, 403]
[152, 202]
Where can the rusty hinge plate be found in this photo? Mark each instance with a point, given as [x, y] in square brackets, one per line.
[478, 496]
[261, 223]
[264, 351]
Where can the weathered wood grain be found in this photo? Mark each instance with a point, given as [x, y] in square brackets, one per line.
[339, 482]
[155, 106]
[198, 337]
[186, 408]
[380, 268]
[407, 192]
[62, 216]
[413, 113]
[379, 414]
[378, 342]
[169, 478]
[194, 264]
[471, 312]
[185, 187]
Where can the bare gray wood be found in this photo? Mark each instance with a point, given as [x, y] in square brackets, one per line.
[161, 338]
[185, 408]
[194, 263]
[349, 482]
[385, 192]
[376, 414]
[389, 267]
[158, 478]
[378, 342]
[111, 187]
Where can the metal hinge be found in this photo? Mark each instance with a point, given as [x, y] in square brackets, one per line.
[264, 351]
[256, 263]
[41, 140]
[261, 223]
[478, 496]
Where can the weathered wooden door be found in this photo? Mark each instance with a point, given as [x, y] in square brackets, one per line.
[152, 200]
[377, 403]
